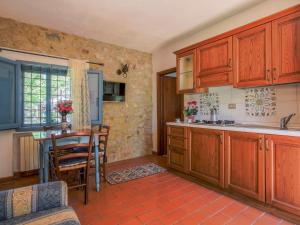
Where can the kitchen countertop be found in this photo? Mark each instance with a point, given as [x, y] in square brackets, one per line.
[243, 128]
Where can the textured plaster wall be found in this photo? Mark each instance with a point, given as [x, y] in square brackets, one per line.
[131, 133]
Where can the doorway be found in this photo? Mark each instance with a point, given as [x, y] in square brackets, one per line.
[169, 106]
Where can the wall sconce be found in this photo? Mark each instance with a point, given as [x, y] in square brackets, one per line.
[123, 70]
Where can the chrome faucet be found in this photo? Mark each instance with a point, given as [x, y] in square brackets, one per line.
[284, 121]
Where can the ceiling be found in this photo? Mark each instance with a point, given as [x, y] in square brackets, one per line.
[138, 24]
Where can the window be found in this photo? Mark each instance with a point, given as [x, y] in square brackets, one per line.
[43, 86]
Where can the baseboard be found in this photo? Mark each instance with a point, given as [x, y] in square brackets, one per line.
[26, 173]
[154, 153]
[7, 179]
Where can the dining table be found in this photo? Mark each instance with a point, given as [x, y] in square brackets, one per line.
[44, 139]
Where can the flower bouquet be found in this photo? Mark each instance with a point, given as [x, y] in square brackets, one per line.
[190, 111]
[64, 108]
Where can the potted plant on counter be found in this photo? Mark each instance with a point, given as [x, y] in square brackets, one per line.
[190, 111]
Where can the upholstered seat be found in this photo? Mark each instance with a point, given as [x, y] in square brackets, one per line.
[57, 216]
[38, 204]
[72, 162]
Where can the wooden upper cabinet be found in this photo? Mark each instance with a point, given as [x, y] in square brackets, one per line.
[283, 172]
[207, 155]
[214, 63]
[245, 164]
[252, 57]
[185, 71]
[286, 49]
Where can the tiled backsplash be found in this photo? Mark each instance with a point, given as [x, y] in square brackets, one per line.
[264, 105]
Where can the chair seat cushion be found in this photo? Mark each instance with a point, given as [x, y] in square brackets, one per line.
[72, 162]
[61, 216]
[81, 149]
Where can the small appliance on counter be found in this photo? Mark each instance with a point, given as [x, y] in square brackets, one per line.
[213, 115]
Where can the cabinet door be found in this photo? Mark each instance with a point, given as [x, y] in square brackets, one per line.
[245, 164]
[207, 155]
[286, 49]
[214, 63]
[185, 71]
[178, 158]
[252, 57]
[283, 172]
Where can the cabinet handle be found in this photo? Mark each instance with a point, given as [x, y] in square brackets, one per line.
[274, 73]
[268, 75]
[261, 143]
[230, 62]
[267, 145]
[221, 139]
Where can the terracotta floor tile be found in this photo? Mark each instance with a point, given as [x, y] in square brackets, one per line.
[194, 218]
[268, 219]
[133, 221]
[150, 216]
[173, 217]
[217, 219]
[234, 209]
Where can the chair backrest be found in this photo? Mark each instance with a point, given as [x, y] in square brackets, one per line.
[103, 139]
[64, 150]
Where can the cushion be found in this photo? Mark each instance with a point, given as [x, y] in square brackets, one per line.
[60, 215]
[72, 162]
[21, 201]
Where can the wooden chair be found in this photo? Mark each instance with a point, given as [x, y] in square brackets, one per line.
[103, 140]
[65, 159]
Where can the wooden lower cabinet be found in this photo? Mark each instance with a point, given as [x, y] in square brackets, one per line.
[245, 164]
[178, 157]
[263, 167]
[283, 172]
[207, 155]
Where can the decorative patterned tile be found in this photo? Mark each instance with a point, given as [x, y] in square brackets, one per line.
[260, 102]
[208, 101]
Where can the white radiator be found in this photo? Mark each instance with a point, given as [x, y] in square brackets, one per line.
[29, 153]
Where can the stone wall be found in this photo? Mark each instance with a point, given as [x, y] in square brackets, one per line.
[131, 129]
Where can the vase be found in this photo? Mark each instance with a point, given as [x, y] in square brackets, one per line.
[64, 124]
[191, 119]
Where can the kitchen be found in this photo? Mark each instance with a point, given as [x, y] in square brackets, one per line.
[241, 95]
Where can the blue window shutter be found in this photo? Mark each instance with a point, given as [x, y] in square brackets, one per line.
[9, 94]
[95, 79]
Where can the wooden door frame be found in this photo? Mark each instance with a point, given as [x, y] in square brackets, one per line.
[159, 105]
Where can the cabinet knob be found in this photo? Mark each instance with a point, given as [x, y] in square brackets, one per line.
[230, 62]
[268, 74]
[261, 142]
[221, 139]
[274, 73]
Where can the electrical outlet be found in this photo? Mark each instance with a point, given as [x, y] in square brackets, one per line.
[231, 106]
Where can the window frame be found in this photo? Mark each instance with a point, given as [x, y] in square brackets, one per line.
[17, 93]
[22, 126]
[100, 94]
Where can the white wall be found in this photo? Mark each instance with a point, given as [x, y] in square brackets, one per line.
[6, 153]
[163, 58]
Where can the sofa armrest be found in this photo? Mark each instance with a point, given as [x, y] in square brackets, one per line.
[26, 200]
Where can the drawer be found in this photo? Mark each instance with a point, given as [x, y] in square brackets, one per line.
[177, 131]
[177, 142]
